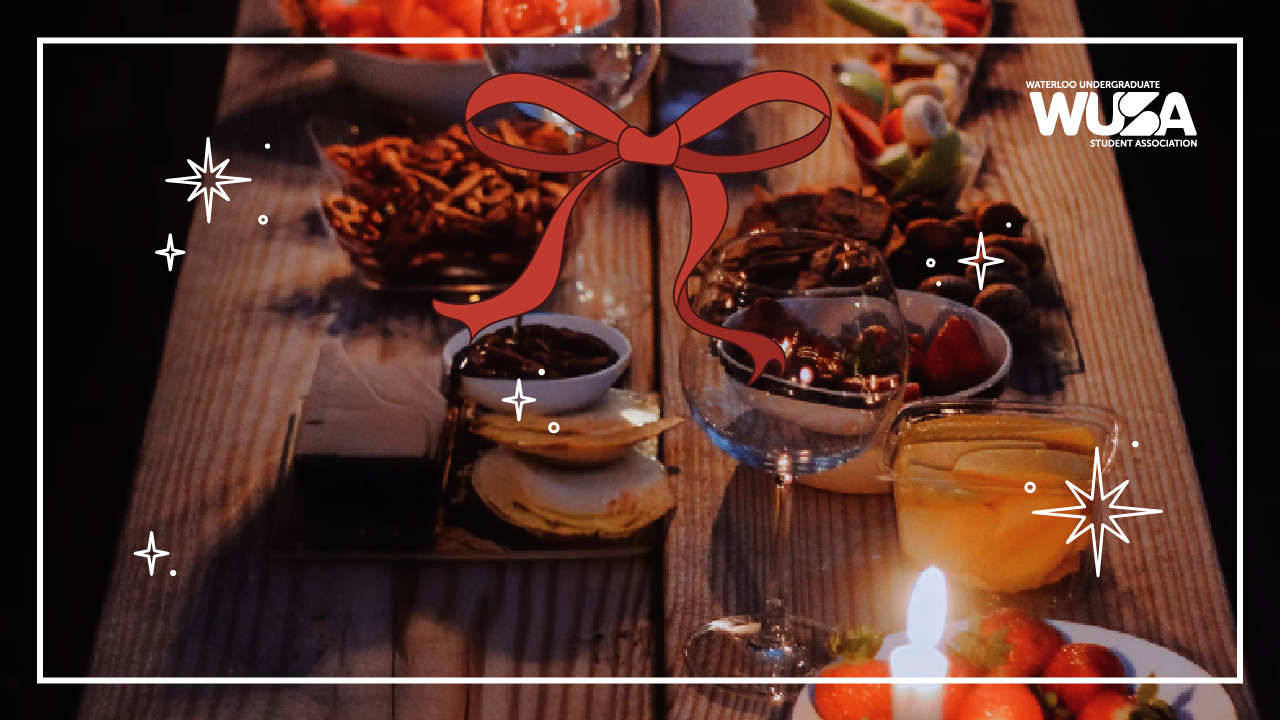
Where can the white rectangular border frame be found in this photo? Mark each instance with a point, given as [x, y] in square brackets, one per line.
[42, 680]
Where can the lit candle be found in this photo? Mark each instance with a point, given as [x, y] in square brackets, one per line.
[926, 620]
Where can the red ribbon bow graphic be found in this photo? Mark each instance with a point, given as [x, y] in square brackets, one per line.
[708, 205]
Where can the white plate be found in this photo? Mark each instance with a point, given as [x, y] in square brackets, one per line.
[1140, 658]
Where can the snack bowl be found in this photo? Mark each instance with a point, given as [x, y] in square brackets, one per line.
[916, 18]
[552, 396]
[437, 89]
[889, 74]
[375, 207]
[925, 314]
[907, 62]
[967, 476]
[946, 191]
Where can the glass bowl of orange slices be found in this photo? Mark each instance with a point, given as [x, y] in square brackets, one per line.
[968, 476]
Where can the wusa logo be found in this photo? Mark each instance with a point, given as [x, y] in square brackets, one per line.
[1131, 117]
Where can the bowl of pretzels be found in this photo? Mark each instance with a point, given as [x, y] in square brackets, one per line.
[435, 215]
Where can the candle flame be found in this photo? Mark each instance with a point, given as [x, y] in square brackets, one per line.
[927, 611]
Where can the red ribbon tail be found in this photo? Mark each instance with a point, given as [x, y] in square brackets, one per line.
[762, 350]
[537, 281]
[708, 209]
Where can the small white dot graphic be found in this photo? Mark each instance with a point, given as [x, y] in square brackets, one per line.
[262, 219]
[267, 146]
[930, 262]
[1029, 487]
[542, 371]
[1135, 443]
[173, 573]
[553, 428]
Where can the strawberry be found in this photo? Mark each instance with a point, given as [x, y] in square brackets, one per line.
[1000, 702]
[957, 694]
[915, 358]
[1009, 643]
[915, 363]
[856, 649]
[955, 361]
[1080, 660]
[1111, 705]
[1031, 641]
[864, 131]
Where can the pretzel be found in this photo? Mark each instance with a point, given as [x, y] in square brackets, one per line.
[408, 205]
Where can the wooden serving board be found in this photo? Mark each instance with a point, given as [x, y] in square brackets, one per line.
[422, 521]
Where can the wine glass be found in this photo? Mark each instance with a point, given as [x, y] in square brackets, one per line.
[612, 73]
[830, 303]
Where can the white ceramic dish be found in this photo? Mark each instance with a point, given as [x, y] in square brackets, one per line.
[929, 312]
[439, 90]
[865, 473]
[552, 396]
[1140, 658]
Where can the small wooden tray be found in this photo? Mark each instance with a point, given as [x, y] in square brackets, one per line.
[431, 519]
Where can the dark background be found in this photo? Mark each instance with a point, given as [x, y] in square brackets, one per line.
[119, 119]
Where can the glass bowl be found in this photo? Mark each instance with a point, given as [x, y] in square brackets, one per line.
[946, 193]
[967, 476]
[457, 267]
[911, 62]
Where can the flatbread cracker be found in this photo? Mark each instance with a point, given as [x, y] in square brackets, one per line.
[611, 502]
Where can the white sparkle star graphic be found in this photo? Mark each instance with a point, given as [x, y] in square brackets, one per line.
[1097, 535]
[170, 252]
[151, 553]
[981, 266]
[519, 399]
[206, 184]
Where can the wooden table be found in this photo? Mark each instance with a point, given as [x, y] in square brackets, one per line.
[254, 303]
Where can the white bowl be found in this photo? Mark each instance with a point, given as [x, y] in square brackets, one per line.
[551, 396]
[439, 90]
[929, 312]
[866, 474]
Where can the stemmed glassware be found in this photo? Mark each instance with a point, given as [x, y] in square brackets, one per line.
[847, 357]
[611, 72]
